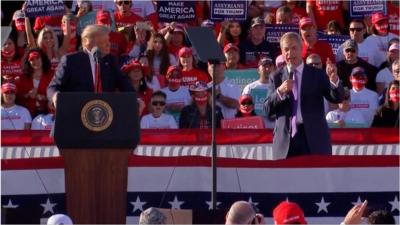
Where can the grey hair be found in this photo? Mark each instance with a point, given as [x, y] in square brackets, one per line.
[47, 29]
[290, 36]
[152, 216]
[313, 56]
[92, 31]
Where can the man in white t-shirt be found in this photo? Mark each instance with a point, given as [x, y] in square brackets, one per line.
[363, 100]
[345, 116]
[265, 68]
[177, 96]
[13, 117]
[157, 119]
[227, 93]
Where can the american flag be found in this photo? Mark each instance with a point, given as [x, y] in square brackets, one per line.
[326, 187]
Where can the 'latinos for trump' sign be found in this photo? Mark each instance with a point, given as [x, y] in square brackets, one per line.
[228, 10]
[241, 77]
[274, 32]
[361, 8]
[35, 8]
[179, 11]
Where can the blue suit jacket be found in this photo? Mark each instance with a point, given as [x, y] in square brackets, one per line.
[315, 85]
[74, 74]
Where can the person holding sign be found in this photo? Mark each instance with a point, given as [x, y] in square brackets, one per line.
[296, 100]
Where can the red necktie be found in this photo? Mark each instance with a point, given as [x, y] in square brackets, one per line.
[97, 81]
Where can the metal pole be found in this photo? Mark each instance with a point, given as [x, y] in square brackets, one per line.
[213, 142]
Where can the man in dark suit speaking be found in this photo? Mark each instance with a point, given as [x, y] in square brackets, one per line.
[92, 70]
[297, 101]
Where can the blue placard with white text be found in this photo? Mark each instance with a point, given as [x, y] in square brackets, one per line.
[334, 40]
[179, 11]
[228, 10]
[36, 8]
[361, 8]
[274, 32]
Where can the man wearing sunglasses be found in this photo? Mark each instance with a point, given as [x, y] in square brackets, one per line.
[157, 119]
[367, 52]
[124, 16]
[351, 61]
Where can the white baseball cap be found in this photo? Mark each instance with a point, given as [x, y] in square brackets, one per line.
[59, 219]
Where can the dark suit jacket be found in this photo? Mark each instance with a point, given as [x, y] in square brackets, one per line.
[190, 116]
[315, 85]
[74, 74]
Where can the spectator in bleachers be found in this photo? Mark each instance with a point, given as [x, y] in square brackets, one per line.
[381, 35]
[385, 76]
[345, 116]
[363, 100]
[199, 113]
[284, 15]
[231, 32]
[396, 69]
[36, 77]
[288, 213]
[387, 114]
[311, 44]
[70, 37]
[392, 55]
[255, 46]
[44, 121]
[393, 11]
[297, 11]
[190, 74]
[232, 56]
[381, 217]
[134, 71]
[123, 15]
[11, 68]
[246, 107]
[159, 57]
[118, 41]
[366, 51]
[265, 68]
[157, 119]
[175, 38]
[333, 28]
[146, 10]
[242, 212]
[151, 80]
[18, 24]
[177, 96]
[351, 61]
[227, 93]
[321, 12]
[138, 44]
[13, 117]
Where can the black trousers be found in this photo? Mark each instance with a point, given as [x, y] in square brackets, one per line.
[298, 144]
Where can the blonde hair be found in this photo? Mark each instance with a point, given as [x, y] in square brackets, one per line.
[92, 31]
[41, 36]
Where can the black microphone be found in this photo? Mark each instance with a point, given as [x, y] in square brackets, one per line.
[291, 71]
[96, 54]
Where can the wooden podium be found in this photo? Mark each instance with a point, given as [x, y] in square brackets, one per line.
[95, 134]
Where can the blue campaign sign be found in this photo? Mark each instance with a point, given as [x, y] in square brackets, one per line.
[361, 8]
[179, 11]
[36, 8]
[228, 10]
[274, 32]
[334, 40]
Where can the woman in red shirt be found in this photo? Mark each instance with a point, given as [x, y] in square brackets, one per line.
[190, 74]
[11, 68]
[32, 88]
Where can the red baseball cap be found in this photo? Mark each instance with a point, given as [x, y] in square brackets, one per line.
[185, 52]
[172, 69]
[379, 16]
[33, 55]
[244, 98]
[130, 66]
[103, 17]
[288, 213]
[305, 21]
[8, 87]
[230, 46]
[179, 28]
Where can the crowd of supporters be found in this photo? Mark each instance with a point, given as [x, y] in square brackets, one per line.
[173, 85]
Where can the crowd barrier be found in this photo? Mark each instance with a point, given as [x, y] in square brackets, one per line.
[326, 187]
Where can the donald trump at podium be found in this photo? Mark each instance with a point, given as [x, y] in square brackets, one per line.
[92, 70]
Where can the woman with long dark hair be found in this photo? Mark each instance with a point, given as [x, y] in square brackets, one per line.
[32, 88]
[11, 69]
[387, 115]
